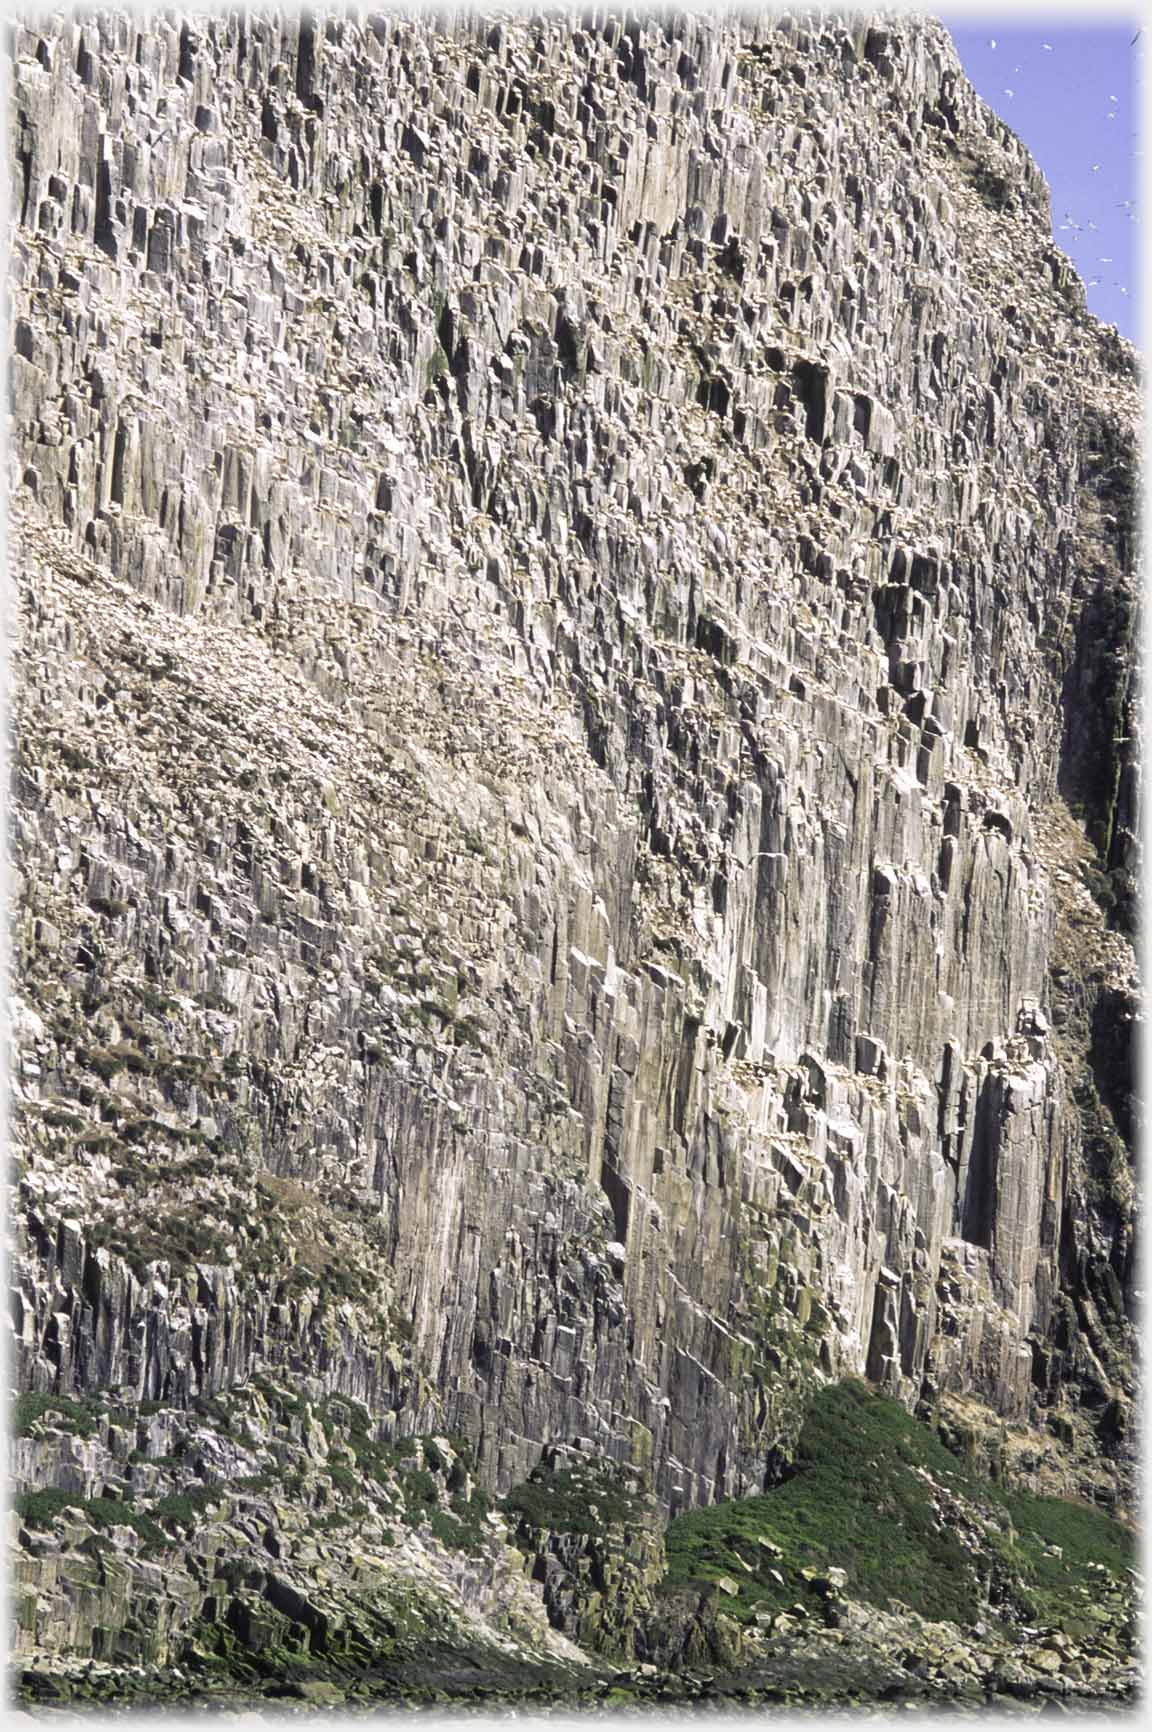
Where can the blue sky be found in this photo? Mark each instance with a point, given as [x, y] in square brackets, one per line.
[1056, 83]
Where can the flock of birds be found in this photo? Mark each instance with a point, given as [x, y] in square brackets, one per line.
[1128, 205]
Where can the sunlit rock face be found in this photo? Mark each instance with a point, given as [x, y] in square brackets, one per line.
[575, 809]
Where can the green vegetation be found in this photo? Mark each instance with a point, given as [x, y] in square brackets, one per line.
[37, 1509]
[858, 1501]
[852, 1504]
[420, 1470]
[183, 1239]
[186, 1509]
[418, 1487]
[1056, 1543]
[581, 1500]
[1100, 886]
[464, 1527]
[992, 188]
[66, 1414]
[217, 1409]
[106, 1061]
[59, 1118]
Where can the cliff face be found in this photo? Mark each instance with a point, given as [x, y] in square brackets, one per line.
[575, 814]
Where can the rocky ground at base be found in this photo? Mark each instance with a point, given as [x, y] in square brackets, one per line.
[272, 1546]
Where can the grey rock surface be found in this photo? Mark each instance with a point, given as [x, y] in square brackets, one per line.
[575, 664]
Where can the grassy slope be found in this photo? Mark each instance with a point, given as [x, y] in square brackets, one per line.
[859, 1502]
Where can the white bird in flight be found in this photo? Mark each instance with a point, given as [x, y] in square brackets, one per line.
[1008, 92]
[1047, 47]
[991, 42]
